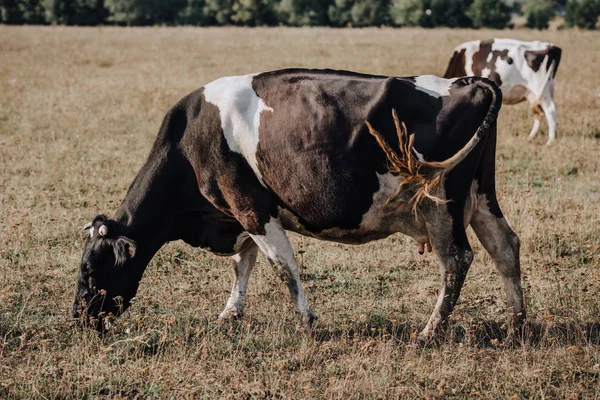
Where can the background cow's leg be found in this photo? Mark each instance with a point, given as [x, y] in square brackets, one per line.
[550, 113]
[277, 248]
[538, 113]
[503, 244]
[243, 262]
[536, 126]
[451, 246]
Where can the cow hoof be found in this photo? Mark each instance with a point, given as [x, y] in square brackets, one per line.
[230, 314]
[550, 142]
[306, 322]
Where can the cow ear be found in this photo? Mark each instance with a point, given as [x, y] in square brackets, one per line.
[124, 249]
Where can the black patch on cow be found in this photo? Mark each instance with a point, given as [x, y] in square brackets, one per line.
[456, 66]
[166, 193]
[480, 60]
[224, 177]
[535, 58]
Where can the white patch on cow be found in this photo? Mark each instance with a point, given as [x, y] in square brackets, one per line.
[486, 72]
[470, 49]
[244, 262]
[92, 231]
[388, 186]
[240, 109]
[277, 248]
[240, 240]
[434, 85]
[490, 56]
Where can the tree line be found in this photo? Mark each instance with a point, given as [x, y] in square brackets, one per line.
[335, 13]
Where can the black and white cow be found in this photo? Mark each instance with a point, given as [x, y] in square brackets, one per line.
[323, 153]
[522, 70]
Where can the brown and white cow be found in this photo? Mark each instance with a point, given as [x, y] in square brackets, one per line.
[522, 70]
[323, 153]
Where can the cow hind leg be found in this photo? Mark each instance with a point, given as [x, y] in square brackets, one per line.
[550, 113]
[278, 250]
[538, 113]
[243, 262]
[451, 246]
[503, 245]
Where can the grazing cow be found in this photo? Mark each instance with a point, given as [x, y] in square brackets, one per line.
[522, 70]
[323, 153]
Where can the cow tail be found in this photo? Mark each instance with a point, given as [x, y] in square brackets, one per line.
[425, 178]
[483, 129]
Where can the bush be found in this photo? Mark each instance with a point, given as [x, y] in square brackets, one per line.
[450, 13]
[22, 12]
[583, 14]
[359, 12]
[144, 12]
[539, 13]
[489, 13]
[193, 14]
[407, 12]
[303, 12]
[254, 12]
[76, 12]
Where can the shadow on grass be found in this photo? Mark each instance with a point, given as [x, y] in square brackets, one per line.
[480, 333]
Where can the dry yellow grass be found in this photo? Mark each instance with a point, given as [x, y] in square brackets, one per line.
[79, 110]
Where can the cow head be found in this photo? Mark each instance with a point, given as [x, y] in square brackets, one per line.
[109, 274]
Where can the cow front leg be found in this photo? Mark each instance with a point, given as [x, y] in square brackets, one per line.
[243, 262]
[278, 250]
[455, 256]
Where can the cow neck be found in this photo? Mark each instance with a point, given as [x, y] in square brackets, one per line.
[147, 212]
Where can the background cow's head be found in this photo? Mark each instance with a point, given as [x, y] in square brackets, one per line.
[109, 274]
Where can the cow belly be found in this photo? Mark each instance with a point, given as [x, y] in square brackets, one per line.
[514, 94]
[382, 219]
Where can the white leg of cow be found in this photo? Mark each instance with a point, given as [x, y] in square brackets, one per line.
[536, 127]
[278, 250]
[550, 113]
[538, 113]
[454, 254]
[243, 262]
[503, 244]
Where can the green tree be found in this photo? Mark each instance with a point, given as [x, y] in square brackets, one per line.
[76, 12]
[22, 12]
[193, 14]
[539, 13]
[33, 11]
[450, 13]
[339, 12]
[10, 12]
[219, 11]
[145, 12]
[583, 14]
[359, 12]
[254, 12]
[489, 13]
[304, 12]
[407, 12]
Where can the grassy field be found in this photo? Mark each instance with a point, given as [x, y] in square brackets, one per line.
[79, 110]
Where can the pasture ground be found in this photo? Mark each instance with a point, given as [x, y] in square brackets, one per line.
[79, 110]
